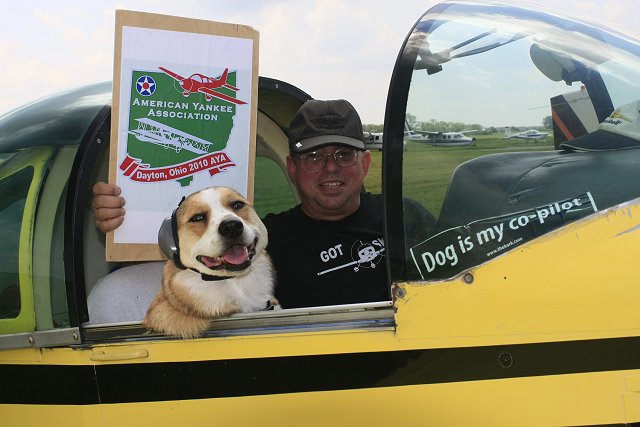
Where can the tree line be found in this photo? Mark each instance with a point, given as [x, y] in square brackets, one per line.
[452, 126]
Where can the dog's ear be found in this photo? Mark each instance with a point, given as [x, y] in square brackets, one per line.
[168, 238]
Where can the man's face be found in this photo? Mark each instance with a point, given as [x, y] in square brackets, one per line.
[333, 192]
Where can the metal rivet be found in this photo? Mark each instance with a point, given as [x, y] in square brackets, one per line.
[505, 360]
[401, 293]
[30, 339]
[75, 337]
[468, 278]
[98, 140]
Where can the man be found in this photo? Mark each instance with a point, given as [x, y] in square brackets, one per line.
[329, 249]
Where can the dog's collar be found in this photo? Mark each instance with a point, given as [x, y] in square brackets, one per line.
[210, 277]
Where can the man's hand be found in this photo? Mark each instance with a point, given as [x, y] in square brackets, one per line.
[107, 206]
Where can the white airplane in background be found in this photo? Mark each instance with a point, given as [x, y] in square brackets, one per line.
[530, 134]
[415, 136]
[439, 139]
[373, 140]
[451, 139]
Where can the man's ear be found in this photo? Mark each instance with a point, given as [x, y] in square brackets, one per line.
[291, 168]
[366, 161]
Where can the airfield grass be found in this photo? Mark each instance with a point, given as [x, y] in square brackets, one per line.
[427, 171]
[271, 189]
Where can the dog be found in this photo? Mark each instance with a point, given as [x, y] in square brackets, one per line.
[217, 264]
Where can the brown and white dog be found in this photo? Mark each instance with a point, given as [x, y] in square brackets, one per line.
[219, 265]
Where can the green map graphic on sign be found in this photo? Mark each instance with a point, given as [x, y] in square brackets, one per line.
[179, 126]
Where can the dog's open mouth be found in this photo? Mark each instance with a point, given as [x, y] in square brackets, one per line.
[237, 257]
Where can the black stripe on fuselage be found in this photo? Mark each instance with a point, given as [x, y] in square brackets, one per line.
[146, 382]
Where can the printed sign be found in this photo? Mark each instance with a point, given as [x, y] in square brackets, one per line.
[183, 119]
[457, 249]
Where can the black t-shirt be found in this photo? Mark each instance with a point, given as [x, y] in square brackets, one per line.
[329, 262]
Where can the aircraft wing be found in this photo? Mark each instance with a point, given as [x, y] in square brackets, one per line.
[426, 132]
[228, 86]
[220, 95]
[172, 74]
[519, 135]
[528, 135]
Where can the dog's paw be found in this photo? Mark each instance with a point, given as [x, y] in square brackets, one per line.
[273, 304]
[175, 323]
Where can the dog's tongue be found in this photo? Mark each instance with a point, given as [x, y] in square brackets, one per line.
[236, 254]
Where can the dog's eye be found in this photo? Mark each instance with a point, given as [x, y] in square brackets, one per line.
[197, 218]
[237, 205]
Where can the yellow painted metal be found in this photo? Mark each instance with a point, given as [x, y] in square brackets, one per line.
[579, 282]
[55, 416]
[276, 345]
[103, 356]
[632, 397]
[535, 401]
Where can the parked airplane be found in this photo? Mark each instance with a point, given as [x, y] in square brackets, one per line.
[451, 139]
[206, 85]
[411, 135]
[530, 134]
[373, 140]
[439, 139]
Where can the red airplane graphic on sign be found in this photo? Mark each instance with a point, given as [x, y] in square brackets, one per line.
[206, 85]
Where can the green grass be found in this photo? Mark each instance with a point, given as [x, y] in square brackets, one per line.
[427, 172]
[271, 189]
[373, 180]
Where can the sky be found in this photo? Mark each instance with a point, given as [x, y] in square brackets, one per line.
[328, 48]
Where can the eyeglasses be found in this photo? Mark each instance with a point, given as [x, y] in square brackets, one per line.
[314, 161]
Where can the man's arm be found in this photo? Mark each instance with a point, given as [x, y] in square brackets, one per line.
[108, 206]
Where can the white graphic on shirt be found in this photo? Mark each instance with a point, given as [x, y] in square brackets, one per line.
[364, 255]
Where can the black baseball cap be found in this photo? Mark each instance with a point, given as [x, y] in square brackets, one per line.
[618, 131]
[318, 123]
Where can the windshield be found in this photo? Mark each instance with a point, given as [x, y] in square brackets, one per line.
[503, 131]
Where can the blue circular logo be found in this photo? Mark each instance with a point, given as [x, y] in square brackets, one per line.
[146, 85]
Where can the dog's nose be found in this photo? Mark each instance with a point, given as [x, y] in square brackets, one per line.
[230, 228]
